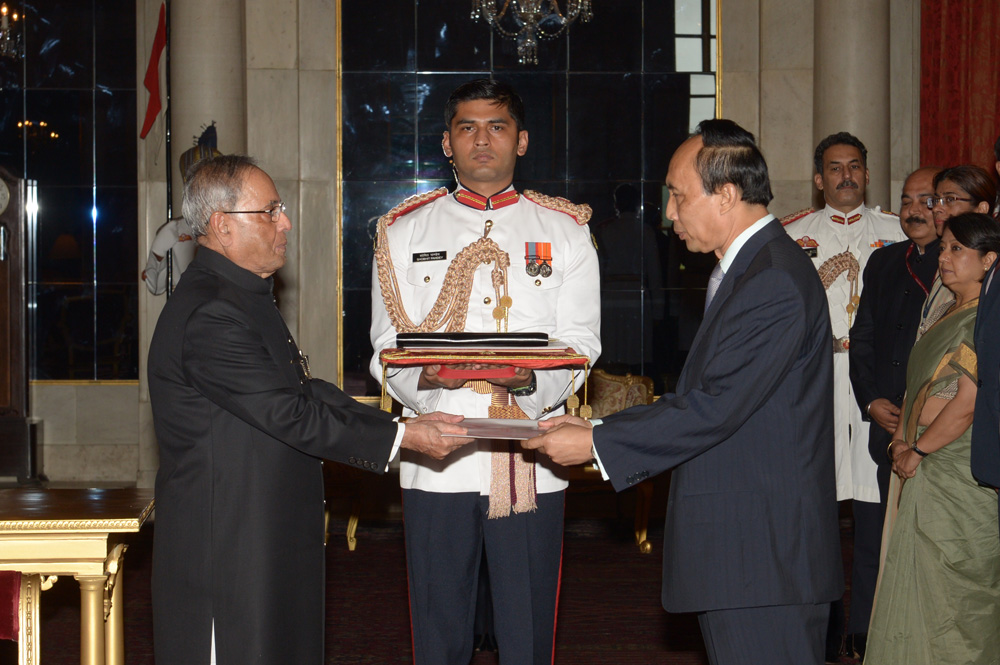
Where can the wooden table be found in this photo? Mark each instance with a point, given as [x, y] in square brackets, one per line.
[45, 533]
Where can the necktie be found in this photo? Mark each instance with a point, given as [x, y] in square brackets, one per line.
[713, 284]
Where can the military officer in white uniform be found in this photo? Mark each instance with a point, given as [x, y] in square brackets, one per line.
[452, 249]
[175, 235]
[840, 238]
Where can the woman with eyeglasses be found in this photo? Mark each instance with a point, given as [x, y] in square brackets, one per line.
[959, 189]
[938, 597]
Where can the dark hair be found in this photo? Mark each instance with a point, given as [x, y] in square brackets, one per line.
[626, 197]
[212, 185]
[840, 138]
[975, 180]
[996, 149]
[730, 155]
[497, 92]
[975, 230]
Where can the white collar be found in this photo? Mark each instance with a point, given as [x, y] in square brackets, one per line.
[741, 239]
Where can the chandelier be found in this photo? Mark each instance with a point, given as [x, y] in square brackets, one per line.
[10, 36]
[527, 21]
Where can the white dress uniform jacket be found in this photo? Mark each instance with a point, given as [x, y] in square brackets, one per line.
[823, 234]
[178, 236]
[566, 305]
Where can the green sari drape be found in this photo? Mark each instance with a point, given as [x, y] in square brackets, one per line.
[938, 599]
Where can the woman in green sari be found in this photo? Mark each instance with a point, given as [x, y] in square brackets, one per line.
[938, 599]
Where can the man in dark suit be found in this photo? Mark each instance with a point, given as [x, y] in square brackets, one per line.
[897, 280]
[986, 421]
[751, 539]
[238, 559]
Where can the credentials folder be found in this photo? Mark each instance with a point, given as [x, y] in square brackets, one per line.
[472, 340]
[486, 362]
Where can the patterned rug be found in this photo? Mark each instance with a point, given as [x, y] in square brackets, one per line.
[609, 607]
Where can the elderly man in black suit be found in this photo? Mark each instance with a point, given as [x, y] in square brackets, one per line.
[751, 537]
[897, 280]
[238, 559]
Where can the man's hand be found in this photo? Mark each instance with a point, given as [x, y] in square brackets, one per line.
[429, 379]
[567, 441]
[423, 434]
[884, 413]
[564, 420]
[521, 378]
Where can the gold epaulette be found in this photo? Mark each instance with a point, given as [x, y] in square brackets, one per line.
[412, 203]
[580, 212]
[788, 219]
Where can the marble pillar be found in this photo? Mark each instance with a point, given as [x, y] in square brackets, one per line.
[851, 89]
[208, 77]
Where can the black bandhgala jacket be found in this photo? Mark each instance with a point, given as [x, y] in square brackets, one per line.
[241, 431]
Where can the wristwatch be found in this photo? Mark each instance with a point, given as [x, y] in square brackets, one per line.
[524, 391]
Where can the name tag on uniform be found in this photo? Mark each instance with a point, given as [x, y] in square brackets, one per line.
[429, 256]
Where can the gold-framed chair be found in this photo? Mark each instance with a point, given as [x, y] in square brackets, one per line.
[610, 393]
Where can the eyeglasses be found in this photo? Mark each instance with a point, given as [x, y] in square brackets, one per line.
[274, 211]
[944, 200]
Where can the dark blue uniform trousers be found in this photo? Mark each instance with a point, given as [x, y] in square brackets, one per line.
[445, 538]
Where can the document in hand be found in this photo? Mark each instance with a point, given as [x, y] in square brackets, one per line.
[499, 428]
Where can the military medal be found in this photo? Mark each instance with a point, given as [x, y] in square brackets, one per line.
[538, 259]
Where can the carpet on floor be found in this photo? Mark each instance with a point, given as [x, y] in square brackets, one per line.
[609, 606]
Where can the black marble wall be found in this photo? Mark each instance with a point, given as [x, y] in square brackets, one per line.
[68, 121]
[605, 105]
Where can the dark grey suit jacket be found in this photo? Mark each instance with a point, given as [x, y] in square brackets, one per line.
[986, 422]
[752, 512]
[239, 491]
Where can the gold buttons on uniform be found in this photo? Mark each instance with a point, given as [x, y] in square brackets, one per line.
[538, 282]
[498, 313]
[486, 300]
[506, 301]
[427, 278]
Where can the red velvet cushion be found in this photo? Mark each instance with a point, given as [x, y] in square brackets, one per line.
[10, 591]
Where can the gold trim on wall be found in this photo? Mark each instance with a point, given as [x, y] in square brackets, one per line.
[718, 58]
[338, 203]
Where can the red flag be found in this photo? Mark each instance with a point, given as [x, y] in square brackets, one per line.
[152, 79]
